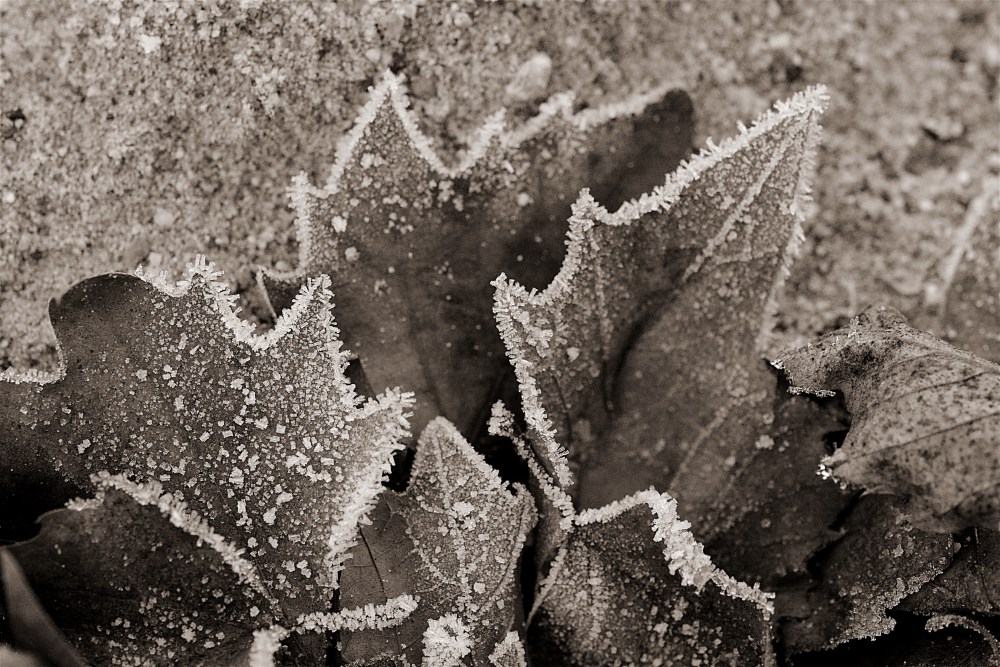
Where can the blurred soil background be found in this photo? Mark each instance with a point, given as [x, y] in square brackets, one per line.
[149, 132]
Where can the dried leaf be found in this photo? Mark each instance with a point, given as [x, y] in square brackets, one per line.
[925, 417]
[454, 539]
[412, 244]
[644, 354]
[880, 560]
[632, 587]
[255, 445]
[770, 536]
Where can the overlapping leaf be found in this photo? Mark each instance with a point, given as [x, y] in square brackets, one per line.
[254, 446]
[454, 539]
[628, 584]
[971, 584]
[881, 559]
[412, 244]
[632, 587]
[925, 417]
[644, 354]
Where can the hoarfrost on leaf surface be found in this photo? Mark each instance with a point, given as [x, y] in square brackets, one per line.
[633, 587]
[454, 538]
[412, 244]
[644, 356]
[255, 445]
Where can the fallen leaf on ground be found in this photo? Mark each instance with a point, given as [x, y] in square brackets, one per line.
[925, 417]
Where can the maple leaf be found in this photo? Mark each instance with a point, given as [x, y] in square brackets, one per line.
[254, 446]
[880, 560]
[644, 354]
[925, 417]
[454, 538]
[412, 244]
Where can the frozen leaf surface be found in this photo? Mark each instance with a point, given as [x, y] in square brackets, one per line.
[412, 244]
[881, 559]
[260, 439]
[644, 354]
[454, 540]
[925, 417]
[127, 587]
[970, 584]
[632, 587]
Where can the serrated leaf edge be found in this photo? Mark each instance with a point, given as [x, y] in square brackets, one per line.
[493, 131]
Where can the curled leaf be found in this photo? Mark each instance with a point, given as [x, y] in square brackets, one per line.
[925, 417]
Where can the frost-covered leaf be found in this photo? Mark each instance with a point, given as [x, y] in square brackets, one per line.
[970, 584]
[126, 585]
[453, 539]
[412, 244]
[925, 417]
[644, 354]
[30, 625]
[938, 623]
[258, 441]
[632, 587]
[881, 559]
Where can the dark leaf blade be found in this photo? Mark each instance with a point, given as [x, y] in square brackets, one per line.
[880, 560]
[125, 584]
[971, 584]
[925, 417]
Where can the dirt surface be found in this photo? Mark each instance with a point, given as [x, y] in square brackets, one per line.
[142, 132]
